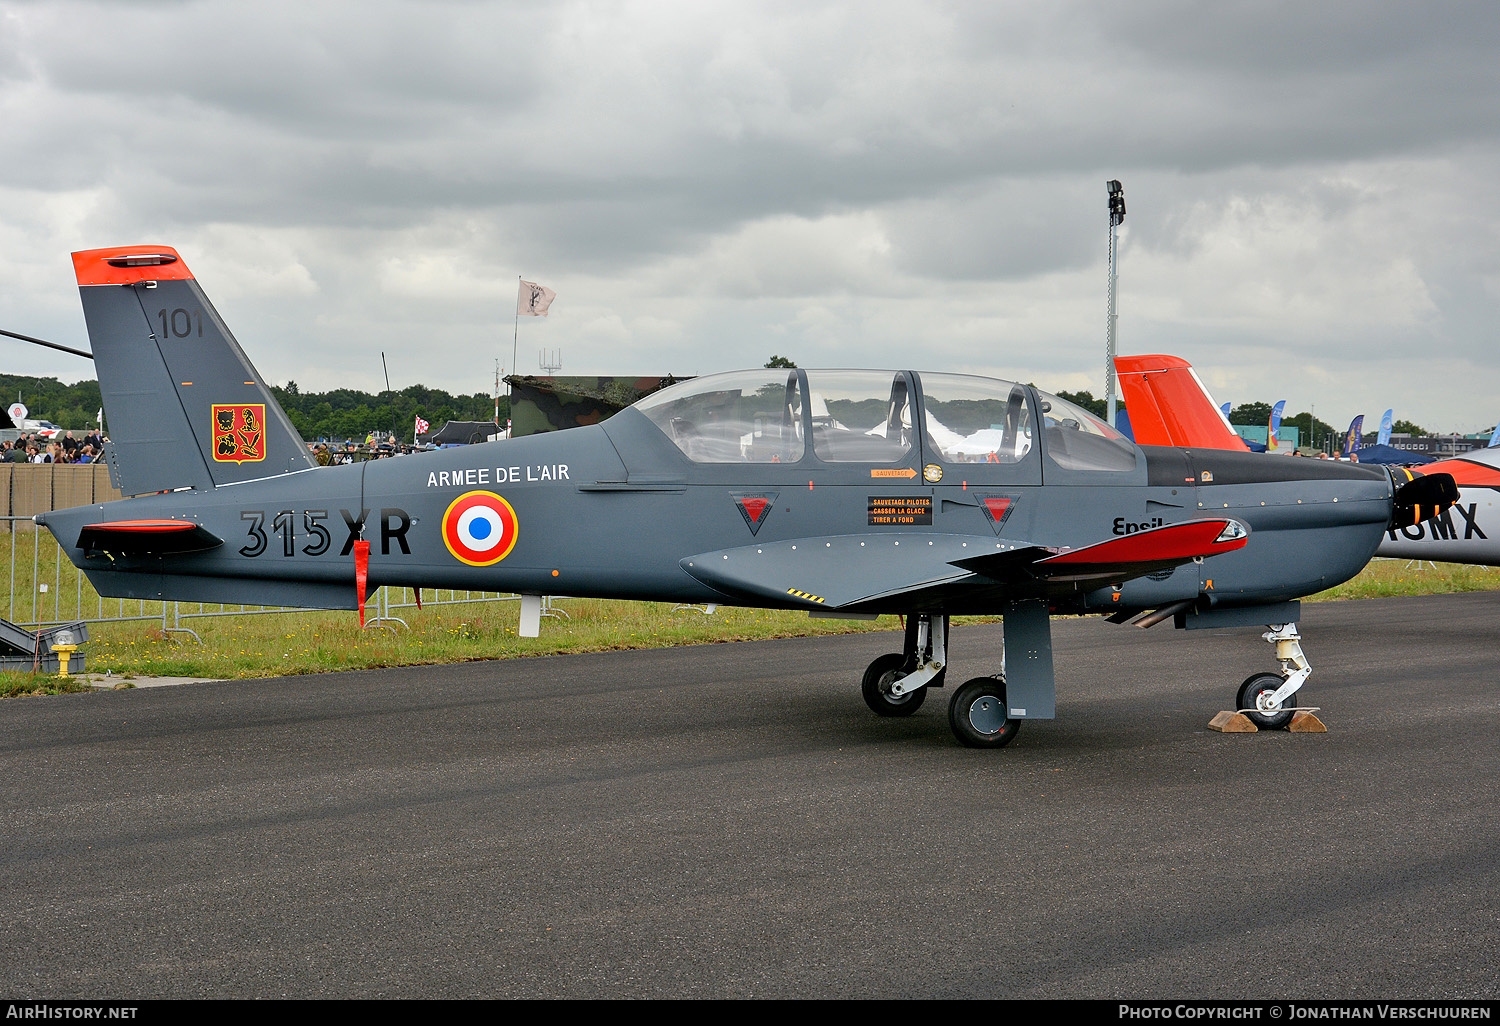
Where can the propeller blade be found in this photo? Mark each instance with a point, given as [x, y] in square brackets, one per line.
[1422, 498]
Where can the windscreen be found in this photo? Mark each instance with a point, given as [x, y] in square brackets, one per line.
[1077, 440]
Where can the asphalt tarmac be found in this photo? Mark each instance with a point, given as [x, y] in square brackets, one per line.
[730, 821]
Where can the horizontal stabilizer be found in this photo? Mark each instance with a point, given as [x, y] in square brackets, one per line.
[146, 537]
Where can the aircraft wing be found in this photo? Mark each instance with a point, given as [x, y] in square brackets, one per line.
[864, 572]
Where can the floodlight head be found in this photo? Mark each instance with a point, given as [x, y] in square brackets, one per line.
[1116, 201]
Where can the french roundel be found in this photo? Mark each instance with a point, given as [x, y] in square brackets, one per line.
[479, 528]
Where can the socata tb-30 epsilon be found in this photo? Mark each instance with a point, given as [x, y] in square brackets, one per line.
[841, 492]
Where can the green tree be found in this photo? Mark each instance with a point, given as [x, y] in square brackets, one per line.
[340, 413]
[1251, 413]
[1098, 407]
[1314, 432]
[68, 406]
[780, 361]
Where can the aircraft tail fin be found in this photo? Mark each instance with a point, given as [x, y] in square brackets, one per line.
[185, 407]
[1169, 406]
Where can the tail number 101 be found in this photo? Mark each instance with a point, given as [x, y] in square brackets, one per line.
[181, 323]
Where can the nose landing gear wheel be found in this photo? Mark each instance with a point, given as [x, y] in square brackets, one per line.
[979, 715]
[876, 687]
[1254, 695]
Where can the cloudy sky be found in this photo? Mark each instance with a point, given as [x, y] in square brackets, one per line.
[1313, 188]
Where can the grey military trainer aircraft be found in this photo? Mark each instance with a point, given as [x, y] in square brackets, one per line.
[847, 493]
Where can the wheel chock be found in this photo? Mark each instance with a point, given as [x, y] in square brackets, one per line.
[1306, 723]
[1230, 722]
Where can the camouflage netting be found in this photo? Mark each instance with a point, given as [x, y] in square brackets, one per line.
[551, 404]
[462, 432]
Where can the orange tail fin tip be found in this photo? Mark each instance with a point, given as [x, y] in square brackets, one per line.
[1169, 406]
[126, 265]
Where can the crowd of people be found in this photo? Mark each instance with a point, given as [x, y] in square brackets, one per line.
[347, 452]
[1338, 454]
[64, 448]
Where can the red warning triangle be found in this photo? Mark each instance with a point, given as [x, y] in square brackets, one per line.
[755, 507]
[997, 508]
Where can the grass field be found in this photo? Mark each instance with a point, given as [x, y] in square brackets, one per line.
[278, 644]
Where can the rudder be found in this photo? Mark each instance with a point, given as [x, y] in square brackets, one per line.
[1169, 406]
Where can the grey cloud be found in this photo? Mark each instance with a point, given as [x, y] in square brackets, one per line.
[1287, 36]
[1015, 229]
[614, 141]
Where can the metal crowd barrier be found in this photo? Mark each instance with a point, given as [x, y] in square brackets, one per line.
[46, 588]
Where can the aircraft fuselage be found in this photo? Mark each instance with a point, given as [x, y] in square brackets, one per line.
[588, 522]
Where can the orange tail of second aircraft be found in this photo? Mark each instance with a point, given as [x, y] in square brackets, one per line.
[1169, 406]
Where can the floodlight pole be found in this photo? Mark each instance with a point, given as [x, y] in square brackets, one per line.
[1116, 217]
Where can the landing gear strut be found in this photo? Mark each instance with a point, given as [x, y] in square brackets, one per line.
[985, 712]
[896, 684]
[1268, 700]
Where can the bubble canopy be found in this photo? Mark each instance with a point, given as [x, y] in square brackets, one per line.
[866, 416]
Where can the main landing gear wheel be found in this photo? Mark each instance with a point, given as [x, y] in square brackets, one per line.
[979, 715]
[876, 687]
[1254, 695]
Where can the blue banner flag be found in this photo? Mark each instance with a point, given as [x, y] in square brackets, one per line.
[1275, 424]
[1351, 440]
[1385, 429]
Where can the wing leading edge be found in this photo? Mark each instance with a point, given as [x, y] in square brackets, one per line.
[866, 572]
